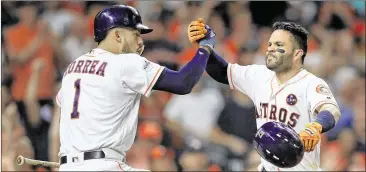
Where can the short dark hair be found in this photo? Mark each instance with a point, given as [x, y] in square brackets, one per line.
[299, 33]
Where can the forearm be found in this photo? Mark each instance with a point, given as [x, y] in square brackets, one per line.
[219, 137]
[175, 128]
[24, 55]
[217, 68]
[31, 99]
[32, 87]
[182, 81]
[328, 116]
[206, 10]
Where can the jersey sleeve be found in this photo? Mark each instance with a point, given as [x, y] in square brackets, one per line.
[140, 74]
[319, 93]
[242, 78]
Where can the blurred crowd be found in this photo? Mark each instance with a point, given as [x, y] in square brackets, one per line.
[210, 129]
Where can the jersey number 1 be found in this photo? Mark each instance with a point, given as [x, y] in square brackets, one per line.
[75, 113]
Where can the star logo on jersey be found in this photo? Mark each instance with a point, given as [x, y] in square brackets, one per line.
[147, 63]
[322, 89]
[291, 99]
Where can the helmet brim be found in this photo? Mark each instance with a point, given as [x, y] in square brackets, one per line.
[143, 29]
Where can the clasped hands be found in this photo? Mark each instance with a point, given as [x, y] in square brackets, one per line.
[201, 34]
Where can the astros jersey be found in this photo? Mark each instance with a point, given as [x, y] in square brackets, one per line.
[293, 103]
[99, 100]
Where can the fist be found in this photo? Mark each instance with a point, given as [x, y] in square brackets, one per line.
[310, 136]
[196, 31]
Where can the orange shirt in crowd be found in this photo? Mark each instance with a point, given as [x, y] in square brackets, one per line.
[174, 30]
[18, 37]
[231, 51]
[74, 7]
[91, 26]
[186, 55]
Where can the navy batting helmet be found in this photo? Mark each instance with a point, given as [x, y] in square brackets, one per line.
[279, 144]
[117, 16]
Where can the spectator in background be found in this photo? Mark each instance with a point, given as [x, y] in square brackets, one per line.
[14, 140]
[57, 17]
[91, 9]
[162, 159]
[194, 116]
[157, 46]
[195, 113]
[359, 117]
[8, 15]
[344, 88]
[240, 33]
[336, 53]
[27, 42]
[238, 119]
[194, 157]
[148, 137]
[238, 116]
[77, 42]
[338, 154]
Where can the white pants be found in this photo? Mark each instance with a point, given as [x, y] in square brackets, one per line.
[98, 165]
[260, 166]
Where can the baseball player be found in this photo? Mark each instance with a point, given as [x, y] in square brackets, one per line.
[101, 91]
[282, 90]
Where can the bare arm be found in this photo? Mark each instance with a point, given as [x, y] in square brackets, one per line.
[206, 9]
[232, 142]
[23, 56]
[31, 102]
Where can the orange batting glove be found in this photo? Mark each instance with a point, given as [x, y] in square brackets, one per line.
[196, 31]
[310, 136]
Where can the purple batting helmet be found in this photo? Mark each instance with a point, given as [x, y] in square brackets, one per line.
[279, 144]
[117, 16]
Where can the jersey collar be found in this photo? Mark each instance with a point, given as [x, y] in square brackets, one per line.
[302, 74]
[99, 51]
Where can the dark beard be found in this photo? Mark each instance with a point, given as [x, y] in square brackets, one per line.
[280, 64]
[278, 61]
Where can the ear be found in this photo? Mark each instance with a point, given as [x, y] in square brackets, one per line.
[117, 36]
[299, 53]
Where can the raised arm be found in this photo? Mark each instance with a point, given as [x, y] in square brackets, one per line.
[217, 68]
[216, 65]
[183, 81]
[142, 76]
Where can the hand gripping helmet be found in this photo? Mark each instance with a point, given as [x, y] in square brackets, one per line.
[279, 144]
[117, 16]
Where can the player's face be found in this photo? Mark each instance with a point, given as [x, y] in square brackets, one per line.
[27, 13]
[280, 51]
[132, 42]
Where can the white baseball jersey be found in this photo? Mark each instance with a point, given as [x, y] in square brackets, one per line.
[100, 98]
[293, 103]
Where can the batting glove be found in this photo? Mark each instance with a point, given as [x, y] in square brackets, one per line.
[196, 31]
[310, 136]
[209, 39]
